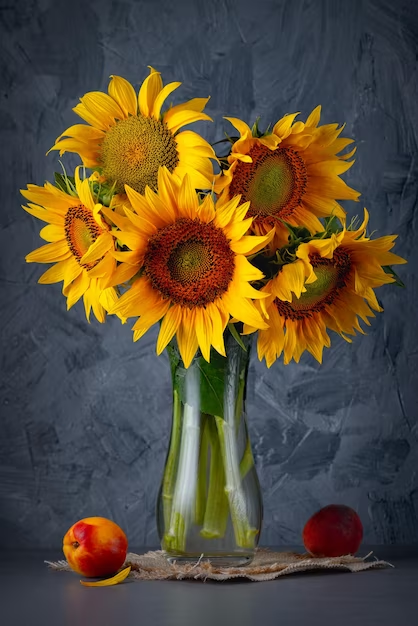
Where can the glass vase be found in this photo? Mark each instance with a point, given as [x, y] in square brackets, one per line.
[209, 504]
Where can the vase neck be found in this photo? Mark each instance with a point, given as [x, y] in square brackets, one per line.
[215, 385]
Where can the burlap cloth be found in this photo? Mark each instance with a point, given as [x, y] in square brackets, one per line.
[266, 565]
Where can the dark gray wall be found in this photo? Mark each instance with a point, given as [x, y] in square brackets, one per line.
[85, 412]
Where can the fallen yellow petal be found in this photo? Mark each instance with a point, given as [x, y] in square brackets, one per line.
[109, 581]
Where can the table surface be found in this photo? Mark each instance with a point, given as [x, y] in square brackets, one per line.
[31, 594]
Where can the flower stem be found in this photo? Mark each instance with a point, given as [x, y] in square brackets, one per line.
[171, 463]
[244, 533]
[217, 507]
[247, 460]
[186, 480]
[202, 472]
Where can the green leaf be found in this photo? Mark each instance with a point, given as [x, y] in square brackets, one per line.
[331, 225]
[211, 384]
[236, 336]
[297, 232]
[389, 270]
[65, 183]
[255, 129]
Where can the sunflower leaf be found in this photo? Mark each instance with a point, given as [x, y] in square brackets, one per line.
[389, 270]
[331, 225]
[297, 233]
[255, 130]
[62, 181]
[212, 383]
[212, 379]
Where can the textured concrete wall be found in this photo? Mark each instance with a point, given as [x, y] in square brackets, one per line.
[85, 413]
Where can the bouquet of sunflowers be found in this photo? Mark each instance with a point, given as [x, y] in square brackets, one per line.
[260, 247]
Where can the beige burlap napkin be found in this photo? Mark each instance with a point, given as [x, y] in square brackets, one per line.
[266, 565]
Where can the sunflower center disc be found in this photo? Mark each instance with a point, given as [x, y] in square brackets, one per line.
[332, 275]
[81, 231]
[134, 149]
[274, 182]
[189, 263]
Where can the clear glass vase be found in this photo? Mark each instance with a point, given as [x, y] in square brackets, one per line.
[209, 504]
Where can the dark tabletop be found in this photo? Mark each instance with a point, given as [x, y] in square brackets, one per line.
[32, 595]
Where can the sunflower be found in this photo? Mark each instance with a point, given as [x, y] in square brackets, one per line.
[128, 138]
[192, 260]
[329, 286]
[290, 175]
[80, 245]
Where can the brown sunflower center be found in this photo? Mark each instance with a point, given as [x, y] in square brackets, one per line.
[332, 275]
[81, 230]
[274, 182]
[189, 263]
[134, 149]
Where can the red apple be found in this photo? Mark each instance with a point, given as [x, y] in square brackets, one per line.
[95, 547]
[335, 530]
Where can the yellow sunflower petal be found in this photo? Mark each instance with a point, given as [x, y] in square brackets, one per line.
[183, 118]
[45, 215]
[282, 127]
[189, 140]
[252, 244]
[124, 95]
[242, 309]
[290, 279]
[206, 211]
[165, 211]
[188, 201]
[99, 248]
[132, 258]
[218, 327]
[203, 332]
[103, 107]
[132, 301]
[186, 337]
[108, 298]
[241, 126]
[149, 91]
[77, 289]
[90, 117]
[246, 290]
[54, 274]
[161, 98]
[51, 252]
[51, 198]
[198, 180]
[314, 117]
[72, 270]
[133, 240]
[196, 104]
[84, 190]
[152, 220]
[167, 189]
[52, 233]
[153, 315]
[87, 134]
[118, 578]
[119, 220]
[122, 274]
[225, 212]
[104, 268]
[169, 326]
[245, 270]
